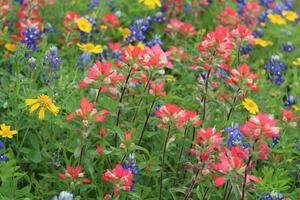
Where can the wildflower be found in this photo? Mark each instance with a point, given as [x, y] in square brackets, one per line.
[169, 113]
[250, 106]
[2, 145]
[32, 34]
[75, 173]
[297, 62]
[53, 62]
[276, 19]
[235, 136]
[175, 26]
[288, 47]
[275, 67]
[151, 4]
[273, 196]
[90, 47]
[84, 25]
[138, 30]
[231, 161]
[44, 103]
[104, 75]
[88, 112]
[170, 78]
[209, 137]
[260, 126]
[93, 4]
[10, 46]
[290, 101]
[121, 177]
[243, 75]
[290, 15]
[125, 32]
[112, 20]
[157, 89]
[6, 132]
[261, 42]
[64, 195]
[3, 157]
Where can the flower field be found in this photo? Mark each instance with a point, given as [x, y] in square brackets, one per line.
[149, 99]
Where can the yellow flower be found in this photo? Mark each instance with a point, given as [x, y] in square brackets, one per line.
[6, 132]
[250, 106]
[170, 78]
[90, 47]
[103, 27]
[139, 45]
[276, 19]
[261, 42]
[151, 4]
[10, 46]
[297, 62]
[84, 25]
[125, 32]
[45, 103]
[290, 15]
[296, 107]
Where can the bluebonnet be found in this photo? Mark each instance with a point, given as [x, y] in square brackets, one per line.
[64, 195]
[2, 145]
[187, 8]
[290, 101]
[298, 145]
[53, 62]
[131, 165]
[263, 17]
[246, 49]
[159, 17]
[274, 68]
[258, 33]
[241, 5]
[84, 59]
[266, 3]
[154, 41]
[93, 4]
[287, 47]
[275, 141]
[235, 136]
[273, 196]
[156, 108]
[138, 30]
[282, 6]
[32, 34]
[3, 157]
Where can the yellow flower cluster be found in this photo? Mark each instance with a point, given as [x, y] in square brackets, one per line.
[297, 62]
[276, 19]
[290, 15]
[44, 103]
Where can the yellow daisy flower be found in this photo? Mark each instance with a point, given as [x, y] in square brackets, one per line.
[250, 106]
[44, 103]
[262, 43]
[6, 132]
[276, 19]
[90, 47]
[84, 25]
[151, 4]
[170, 78]
[297, 62]
[296, 107]
[290, 15]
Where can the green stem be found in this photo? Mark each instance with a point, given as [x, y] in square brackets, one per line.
[163, 163]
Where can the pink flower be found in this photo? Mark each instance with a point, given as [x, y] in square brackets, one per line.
[157, 89]
[209, 138]
[122, 178]
[105, 77]
[169, 113]
[88, 112]
[260, 126]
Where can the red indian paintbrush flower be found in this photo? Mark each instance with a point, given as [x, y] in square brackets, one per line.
[74, 173]
[243, 75]
[122, 178]
[88, 112]
[260, 126]
[104, 76]
[157, 89]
